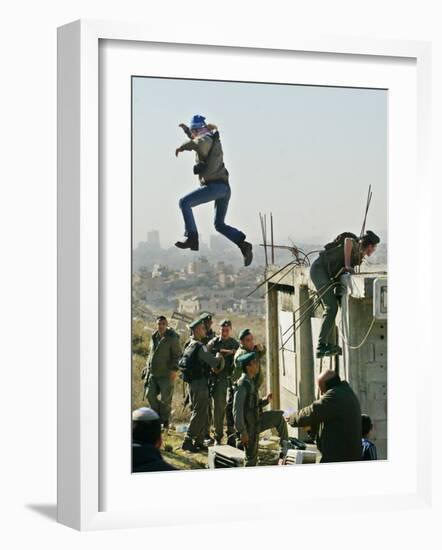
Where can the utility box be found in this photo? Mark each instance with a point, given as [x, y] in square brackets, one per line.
[225, 456]
[296, 456]
[380, 295]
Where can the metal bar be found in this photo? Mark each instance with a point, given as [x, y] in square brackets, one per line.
[268, 278]
[261, 219]
[265, 238]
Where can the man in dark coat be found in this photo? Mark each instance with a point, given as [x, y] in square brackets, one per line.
[146, 442]
[335, 418]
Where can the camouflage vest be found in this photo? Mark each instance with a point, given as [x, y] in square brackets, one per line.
[191, 368]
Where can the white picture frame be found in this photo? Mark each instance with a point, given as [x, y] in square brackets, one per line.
[80, 293]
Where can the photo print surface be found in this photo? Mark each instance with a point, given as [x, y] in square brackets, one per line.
[259, 274]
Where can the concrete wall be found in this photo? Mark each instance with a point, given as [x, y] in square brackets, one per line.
[291, 371]
[366, 367]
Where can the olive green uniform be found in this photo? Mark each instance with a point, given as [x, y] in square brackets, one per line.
[237, 371]
[198, 388]
[250, 420]
[324, 272]
[336, 418]
[210, 335]
[164, 354]
[220, 383]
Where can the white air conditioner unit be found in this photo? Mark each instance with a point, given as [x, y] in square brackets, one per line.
[225, 456]
[297, 456]
[380, 298]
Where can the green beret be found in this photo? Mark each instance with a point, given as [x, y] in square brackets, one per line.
[206, 316]
[245, 332]
[195, 323]
[226, 323]
[244, 359]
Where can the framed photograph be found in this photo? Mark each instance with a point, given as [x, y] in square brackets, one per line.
[235, 222]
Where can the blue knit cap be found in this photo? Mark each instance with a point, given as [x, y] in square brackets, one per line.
[198, 121]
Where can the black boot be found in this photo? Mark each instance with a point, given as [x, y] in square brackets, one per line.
[247, 251]
[188, 445]
[190, 242]
[321, 350]
[333, 349]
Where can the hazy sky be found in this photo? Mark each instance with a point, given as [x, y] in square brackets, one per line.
[305, 153]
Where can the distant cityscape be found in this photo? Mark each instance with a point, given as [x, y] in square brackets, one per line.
[212, 279]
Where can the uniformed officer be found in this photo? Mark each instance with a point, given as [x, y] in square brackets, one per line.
[207, 318]
[340, 256]
[161, 369]
[226, 346]
[246, 345]
[196, 364]
[250, 420]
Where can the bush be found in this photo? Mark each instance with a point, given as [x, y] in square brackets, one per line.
[140, 339]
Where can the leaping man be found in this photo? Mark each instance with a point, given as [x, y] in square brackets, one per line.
[214, 186]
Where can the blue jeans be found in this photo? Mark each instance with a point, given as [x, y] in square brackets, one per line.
[218, 191]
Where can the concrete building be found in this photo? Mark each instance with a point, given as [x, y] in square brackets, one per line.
[199, 267]
[292, 326]
[153, 239]
[160, 270]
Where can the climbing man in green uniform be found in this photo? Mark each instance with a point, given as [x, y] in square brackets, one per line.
[250, 419]
[225, 345]
[161, 369]
[338, 257]
[195, 365]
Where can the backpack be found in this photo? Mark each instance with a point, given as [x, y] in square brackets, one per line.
[191, 369]
[339, 240]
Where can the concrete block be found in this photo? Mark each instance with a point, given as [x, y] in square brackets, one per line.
[379, 430]
[377, 410]
[377, 391]
[376, 372]
[369, 353]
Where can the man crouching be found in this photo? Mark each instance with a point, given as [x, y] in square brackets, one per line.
[250, 421]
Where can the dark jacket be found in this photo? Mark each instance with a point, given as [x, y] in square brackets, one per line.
[208, 149]
[333, 259]
[164, 353]
[337, 418]
[147, 458]
[247, 406]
